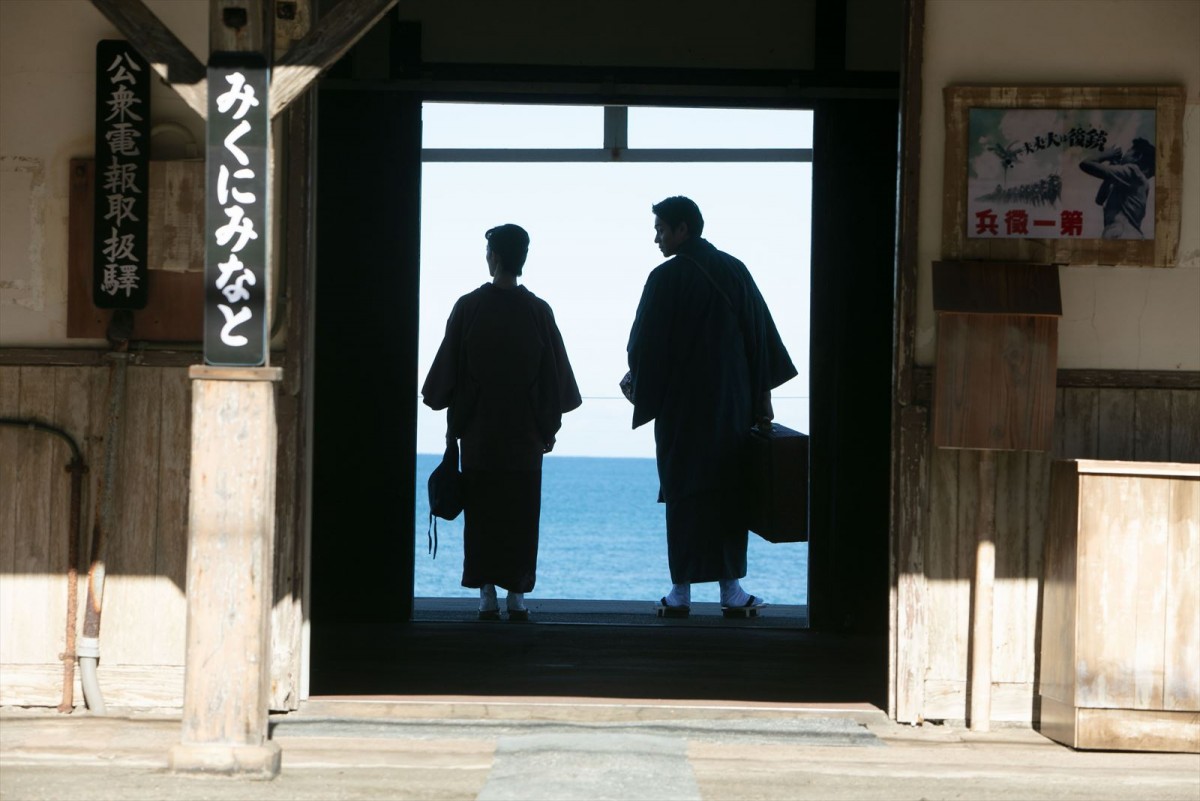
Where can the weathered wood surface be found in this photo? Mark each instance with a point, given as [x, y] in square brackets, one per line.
[991, 287]
[123, 686]
[289, 669]
[1122, 534]
[231, 535]
[1120, 652]
[941, 608]
[1149, 425]
[1137, 730]
[327, 41]
[1181, 671]
[907, 643]
[144, 617]
[994, 383]
[910, 638]
[983, 587]
[1056, 680]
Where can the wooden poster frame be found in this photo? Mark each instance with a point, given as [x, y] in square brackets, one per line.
[1161, 251]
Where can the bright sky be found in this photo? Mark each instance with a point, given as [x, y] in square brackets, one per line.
[592, 239]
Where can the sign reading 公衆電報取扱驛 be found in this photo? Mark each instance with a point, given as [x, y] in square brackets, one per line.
[120, 229]
[1061, 173]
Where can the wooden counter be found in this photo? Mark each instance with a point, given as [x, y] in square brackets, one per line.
[1120, 622]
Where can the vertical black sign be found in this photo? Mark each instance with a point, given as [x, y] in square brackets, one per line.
[122, 183]
[237, 235]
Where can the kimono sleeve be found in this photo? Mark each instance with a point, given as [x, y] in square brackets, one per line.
[568, 390]
[438, 390]
[777, 366]
[649, 348]
[558, 392]
[770, 363]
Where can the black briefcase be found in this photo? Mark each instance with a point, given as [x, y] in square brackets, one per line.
[778, 492]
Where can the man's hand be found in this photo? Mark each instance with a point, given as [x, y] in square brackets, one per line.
[766, 412]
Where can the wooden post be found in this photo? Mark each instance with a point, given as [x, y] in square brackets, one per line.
[981, 596]
[234, 435]
[231, 532]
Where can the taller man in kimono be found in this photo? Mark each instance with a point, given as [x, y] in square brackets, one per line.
[704, 355]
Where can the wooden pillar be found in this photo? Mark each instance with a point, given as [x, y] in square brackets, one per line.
[232, 503]
[231, 532]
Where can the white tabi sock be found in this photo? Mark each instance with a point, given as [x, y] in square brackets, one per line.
[515, 601]
[680, 595]
[487, 598]
[732, 593]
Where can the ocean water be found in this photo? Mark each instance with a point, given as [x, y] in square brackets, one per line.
[602, 537]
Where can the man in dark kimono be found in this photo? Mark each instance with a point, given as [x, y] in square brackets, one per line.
[704, 355]
[502, 372]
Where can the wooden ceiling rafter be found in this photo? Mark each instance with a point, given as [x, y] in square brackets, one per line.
[292, 74]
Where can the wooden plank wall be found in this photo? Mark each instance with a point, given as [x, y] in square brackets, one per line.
[1156, 425]
[144, 605]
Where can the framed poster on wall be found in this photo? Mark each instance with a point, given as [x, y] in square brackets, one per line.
[1063, 175]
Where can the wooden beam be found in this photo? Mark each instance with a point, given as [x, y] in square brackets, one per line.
[169, 57]
[329, 39]
[241, 26]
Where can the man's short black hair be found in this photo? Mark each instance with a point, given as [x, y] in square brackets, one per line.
[511, 243]
[678, 210]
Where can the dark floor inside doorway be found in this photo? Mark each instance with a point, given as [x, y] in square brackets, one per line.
[601, 652]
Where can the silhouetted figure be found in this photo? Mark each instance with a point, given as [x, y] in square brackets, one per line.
[502, 372]
[1126, 185]
[704, 355]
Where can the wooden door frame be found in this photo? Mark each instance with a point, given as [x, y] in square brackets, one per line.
[537, 84]
[908, 638]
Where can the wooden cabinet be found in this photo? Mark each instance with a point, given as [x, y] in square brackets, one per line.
[1120, 621]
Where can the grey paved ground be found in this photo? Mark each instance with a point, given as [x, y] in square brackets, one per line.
[472, 750]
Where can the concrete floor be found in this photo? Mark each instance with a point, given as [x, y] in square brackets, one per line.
[560, 748]
[587, 702]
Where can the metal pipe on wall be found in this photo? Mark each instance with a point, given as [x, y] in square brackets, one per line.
[89, 643]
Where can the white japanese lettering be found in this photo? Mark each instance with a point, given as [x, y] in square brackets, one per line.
[232, 321]
[122, 138]
[120, 178]
[119, 246]
[117, 71]
[120, 209]
[239, 225]
[234, 135]
[121, 101]
[224, 190]
[240, 91]
[119, 277]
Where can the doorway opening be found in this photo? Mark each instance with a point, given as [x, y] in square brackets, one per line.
[581, 180]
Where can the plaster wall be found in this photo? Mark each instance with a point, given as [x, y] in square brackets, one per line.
[47, 103]
[1119, 318]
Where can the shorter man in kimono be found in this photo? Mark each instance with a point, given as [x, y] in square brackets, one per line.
[503, 375]
[704, 355]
